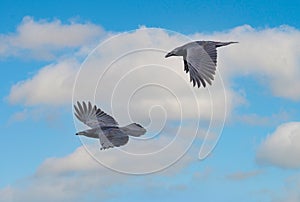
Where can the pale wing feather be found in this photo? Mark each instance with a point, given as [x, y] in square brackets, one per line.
[201, 63]
[93, 116]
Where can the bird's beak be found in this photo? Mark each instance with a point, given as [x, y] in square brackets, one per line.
[76, 134]
[169, 54]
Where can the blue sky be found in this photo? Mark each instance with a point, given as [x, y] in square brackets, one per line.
[43, 44]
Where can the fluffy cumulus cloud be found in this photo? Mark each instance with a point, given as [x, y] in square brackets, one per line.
[128, 76]
[124, 63]
[70, 178]
[271, 55]
[41, 39]
[79, 176]
[281, 148]
[52, 84]
[128, 79]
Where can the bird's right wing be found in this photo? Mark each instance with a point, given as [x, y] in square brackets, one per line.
[93, 116]
[200, 61]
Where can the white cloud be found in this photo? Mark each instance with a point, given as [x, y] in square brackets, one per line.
[145, 155]
[41, 39]
[78, 161]
[175, 92]
[78, 176]
[51, 85]
[281, 148]
[255, 54]
[271, 55]
[128, 76]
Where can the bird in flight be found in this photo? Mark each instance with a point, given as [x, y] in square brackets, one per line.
[105, 127]
[200, 59]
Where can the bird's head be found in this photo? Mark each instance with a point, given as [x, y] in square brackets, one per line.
[170, 54]
[81, 133]
[176, 52]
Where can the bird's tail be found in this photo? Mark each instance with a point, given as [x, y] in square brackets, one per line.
[219, 44]
[133, 129]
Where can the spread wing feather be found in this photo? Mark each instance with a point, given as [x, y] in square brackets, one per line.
[93, 116]
[201, 62]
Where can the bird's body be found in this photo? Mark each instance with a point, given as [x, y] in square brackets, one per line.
[105, 127]
[200, 59]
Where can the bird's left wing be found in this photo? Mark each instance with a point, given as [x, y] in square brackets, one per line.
[93, 116]
[201, 62]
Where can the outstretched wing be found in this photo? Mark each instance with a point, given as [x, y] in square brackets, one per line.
[112, 137]
[201, 62]
[93, 116]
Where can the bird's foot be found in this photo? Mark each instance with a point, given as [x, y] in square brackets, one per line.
[104, 148]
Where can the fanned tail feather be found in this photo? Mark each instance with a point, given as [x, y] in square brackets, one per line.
[133, 129]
